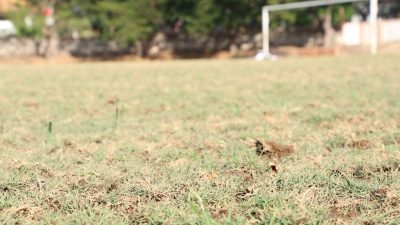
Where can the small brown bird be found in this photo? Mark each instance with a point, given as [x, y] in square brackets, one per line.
[272, 150]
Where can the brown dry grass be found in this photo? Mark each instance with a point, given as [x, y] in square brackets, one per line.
[167, 142]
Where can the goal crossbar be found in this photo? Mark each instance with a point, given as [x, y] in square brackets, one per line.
[306, 4]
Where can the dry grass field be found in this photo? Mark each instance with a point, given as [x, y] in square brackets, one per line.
[296, 141]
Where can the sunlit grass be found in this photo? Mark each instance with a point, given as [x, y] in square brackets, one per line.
[168, 142]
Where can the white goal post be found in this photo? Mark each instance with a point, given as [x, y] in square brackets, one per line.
[305, 4]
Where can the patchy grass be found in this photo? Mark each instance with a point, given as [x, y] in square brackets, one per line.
[168, 142]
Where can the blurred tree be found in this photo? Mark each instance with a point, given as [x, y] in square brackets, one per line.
[125, 21]
[225, 16]
[72, 19]
[28, 22]
[136, 21]
[31, 20]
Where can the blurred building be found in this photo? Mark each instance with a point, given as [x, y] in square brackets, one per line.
[357, 32]
[6, 5]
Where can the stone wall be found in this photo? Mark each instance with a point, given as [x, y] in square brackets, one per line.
[161, 45]
[92, 48]
[23, 47]
[13, 47]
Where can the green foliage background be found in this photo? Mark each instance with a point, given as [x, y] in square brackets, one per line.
[127, 21]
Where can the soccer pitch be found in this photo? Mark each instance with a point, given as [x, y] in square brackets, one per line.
[172, 142]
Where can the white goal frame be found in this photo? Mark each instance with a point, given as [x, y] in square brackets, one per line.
[306, 4]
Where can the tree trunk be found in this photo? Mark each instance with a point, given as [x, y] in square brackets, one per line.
[48, 46]
[328, 29]
[139, 49]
